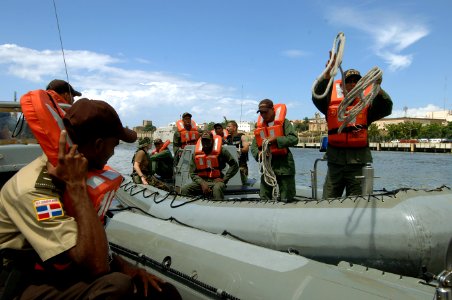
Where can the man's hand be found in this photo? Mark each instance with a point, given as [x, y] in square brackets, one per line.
[140, 277]
[143, 278]
[72, 167]
[218, 180]
[205, 188]
[272, 139]
[327, 74]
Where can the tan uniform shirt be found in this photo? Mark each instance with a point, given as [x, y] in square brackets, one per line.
[29, 214]
[142, 160]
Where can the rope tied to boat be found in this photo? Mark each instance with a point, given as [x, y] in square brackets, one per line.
[372, 78]
[337, 51]
[265, 168]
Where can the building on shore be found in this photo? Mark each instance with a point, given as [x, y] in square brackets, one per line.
[165, 132]
[144, 130]
[318, 123]
[381, 124]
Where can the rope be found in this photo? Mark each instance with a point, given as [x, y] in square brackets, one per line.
[265, 167]
[373, 77]
[338, 51]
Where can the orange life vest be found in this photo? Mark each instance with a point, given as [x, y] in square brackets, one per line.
[354, 135]
[275, 128]
[164, 146]
[44, 117]
[187, 137]
[208, 165]
[225, 133]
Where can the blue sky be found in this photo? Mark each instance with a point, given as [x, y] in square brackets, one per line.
[154, 60]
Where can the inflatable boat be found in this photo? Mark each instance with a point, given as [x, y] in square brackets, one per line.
[405, 231]
[208, 266]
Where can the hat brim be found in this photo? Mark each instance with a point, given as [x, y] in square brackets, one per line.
[128, 135]
[353, 76]
[76, 93]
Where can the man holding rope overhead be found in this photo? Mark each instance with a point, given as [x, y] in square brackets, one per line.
[348, 147]
[273, 136]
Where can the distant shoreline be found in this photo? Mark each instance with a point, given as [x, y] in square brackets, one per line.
[404, 147]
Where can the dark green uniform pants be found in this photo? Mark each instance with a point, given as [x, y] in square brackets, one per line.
[340, 177]
[195, 189]
[286, 185]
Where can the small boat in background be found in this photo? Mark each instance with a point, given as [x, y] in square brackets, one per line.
[18, 147]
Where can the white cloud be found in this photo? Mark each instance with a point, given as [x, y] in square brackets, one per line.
[136, 94]
[391, 33]
[415, 112]
[292, 53]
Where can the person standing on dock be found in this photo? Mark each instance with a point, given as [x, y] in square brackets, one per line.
[187, 134]
[243, 146]
[347, 152]
[274, 130]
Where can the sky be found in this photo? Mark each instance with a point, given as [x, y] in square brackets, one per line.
[154, 59]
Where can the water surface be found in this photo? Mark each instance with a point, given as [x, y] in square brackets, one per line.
[392, 169]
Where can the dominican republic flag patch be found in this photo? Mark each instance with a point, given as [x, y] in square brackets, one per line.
[48, 208]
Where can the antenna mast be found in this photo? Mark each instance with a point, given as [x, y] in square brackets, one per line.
[61, 41]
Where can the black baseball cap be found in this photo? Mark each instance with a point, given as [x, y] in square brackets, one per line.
[61, 86]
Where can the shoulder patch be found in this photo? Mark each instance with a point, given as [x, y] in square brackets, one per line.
[48, 208]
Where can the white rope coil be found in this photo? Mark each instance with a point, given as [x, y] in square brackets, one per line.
[265, 167]
[373, 77]
[338, 51]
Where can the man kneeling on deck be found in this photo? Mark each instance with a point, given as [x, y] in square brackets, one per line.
[208, 161]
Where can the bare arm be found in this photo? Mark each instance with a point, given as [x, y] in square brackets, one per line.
[139, 156]
[245, 144]
[91, 250]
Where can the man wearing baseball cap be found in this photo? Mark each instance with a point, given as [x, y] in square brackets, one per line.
[282, 163]
[348, 151]
[162, 161]
[208, 186]
[68, 252]
[63, 89]
[186, 134]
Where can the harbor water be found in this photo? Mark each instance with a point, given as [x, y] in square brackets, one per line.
[392, 170]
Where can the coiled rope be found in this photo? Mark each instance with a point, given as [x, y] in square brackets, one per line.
[373, 77]
[337, 51]
[265, 168]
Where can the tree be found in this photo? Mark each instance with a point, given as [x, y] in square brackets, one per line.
[447, 131]
[150, 128]
[432, 131]
[374, 133]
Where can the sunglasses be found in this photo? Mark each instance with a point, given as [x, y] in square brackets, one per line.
[352, 80]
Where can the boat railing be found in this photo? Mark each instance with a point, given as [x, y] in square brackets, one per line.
[314, 178]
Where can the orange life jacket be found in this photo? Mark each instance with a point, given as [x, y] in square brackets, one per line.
[275, 128]
[225, 133]
[164, 146]
[44, 117]
[208, 165]
[354, 135]
[187, 137]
